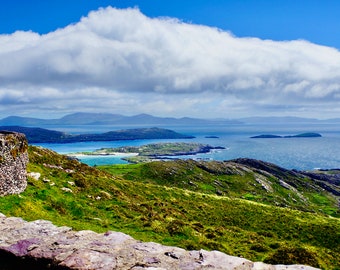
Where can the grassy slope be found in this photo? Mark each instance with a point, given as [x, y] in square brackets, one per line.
[171, 215]
[234, 180]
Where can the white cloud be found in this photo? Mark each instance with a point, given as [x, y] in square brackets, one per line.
[114, 58]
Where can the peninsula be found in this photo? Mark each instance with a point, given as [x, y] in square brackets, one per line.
[41, 135]
[154, 151]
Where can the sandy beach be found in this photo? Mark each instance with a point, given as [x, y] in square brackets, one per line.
[116, 154]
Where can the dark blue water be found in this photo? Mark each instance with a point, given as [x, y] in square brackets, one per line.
[291, 153]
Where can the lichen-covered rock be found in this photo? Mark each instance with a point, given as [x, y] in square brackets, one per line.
[41, 245]
[13, 161]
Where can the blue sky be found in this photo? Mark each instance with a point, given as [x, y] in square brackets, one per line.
[170, 58]
[313, 20]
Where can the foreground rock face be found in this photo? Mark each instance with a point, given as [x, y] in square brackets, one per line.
[13, 161]
[42, 245]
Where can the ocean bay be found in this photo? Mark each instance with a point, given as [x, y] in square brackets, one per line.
[290, 153]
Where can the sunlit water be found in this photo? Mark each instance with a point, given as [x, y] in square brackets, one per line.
[290, 153]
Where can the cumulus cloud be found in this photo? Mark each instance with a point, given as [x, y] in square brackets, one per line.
[114, 57]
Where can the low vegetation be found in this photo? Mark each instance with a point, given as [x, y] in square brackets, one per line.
[189, 204]
[235, 180]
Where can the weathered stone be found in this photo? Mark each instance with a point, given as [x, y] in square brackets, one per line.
[42, 245]
[34, 175]
[13, 161]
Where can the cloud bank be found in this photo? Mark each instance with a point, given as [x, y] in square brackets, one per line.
[122, 61]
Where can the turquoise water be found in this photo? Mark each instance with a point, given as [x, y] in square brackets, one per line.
[290, 153]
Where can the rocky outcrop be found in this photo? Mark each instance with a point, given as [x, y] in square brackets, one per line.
[325, 179]
[13, 161]
[42, 245]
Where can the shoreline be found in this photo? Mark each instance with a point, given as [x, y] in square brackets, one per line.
[115, 154]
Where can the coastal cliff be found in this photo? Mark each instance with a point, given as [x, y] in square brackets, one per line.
[13, 161]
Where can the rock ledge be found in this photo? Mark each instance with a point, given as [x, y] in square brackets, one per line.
[41, 245]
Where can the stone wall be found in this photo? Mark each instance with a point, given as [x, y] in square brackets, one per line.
[13, 162]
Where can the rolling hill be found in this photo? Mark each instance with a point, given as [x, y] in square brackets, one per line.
[242, 207]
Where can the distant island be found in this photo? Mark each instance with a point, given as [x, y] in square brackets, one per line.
[302, 135]
[154, 151]
[41, 135]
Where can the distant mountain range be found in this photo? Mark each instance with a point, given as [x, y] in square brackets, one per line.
[109, 119]
[146, 119]
[286, 120]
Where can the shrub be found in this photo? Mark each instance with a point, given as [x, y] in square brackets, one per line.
[293, 255]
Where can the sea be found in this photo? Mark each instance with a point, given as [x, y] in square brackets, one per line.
[290, 153]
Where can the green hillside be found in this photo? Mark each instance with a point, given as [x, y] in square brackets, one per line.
[189, 204]
[240, 178]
